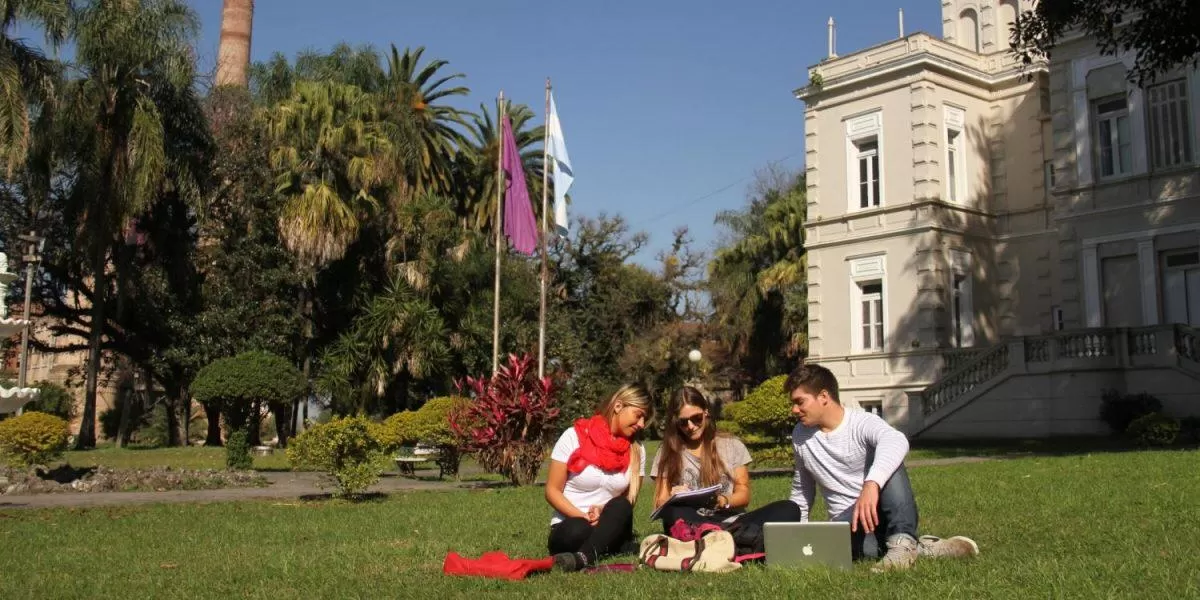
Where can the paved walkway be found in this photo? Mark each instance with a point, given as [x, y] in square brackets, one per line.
[302, 485]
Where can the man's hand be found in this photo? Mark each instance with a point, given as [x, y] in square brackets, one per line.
[865, 510]
[593, 515]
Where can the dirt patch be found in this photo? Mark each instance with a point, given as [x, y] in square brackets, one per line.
[67, 479]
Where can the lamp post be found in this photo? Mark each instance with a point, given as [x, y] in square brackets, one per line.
[33, 255]
[695, 357]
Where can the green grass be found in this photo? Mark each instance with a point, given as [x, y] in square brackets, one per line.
[191, 457]
[1111, 525]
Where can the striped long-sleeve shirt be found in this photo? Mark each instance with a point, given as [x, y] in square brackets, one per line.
[837, 461]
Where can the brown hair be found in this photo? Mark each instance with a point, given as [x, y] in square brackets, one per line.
[711, 466]
[813, 378]
[637, 397]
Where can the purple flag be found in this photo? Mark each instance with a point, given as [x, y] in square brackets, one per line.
[519, 224]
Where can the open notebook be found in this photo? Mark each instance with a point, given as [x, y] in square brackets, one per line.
[699, 498]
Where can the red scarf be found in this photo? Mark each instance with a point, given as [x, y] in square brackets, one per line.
[598, 447]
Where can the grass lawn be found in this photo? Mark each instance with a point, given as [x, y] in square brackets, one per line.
[1102, 525]
[191, 457]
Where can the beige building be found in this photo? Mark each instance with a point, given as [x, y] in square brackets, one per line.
[991, 244]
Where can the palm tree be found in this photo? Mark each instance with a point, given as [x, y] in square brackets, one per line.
[757, 281]
[332, 154]
[134, 59]
[479, 164]
[25, 73]
[412, 100]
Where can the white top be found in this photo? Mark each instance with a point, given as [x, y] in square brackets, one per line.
[590, 487]
[837, 461]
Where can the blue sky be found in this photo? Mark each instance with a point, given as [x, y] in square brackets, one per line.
[663, 102]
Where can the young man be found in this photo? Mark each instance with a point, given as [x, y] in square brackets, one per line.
[858, 461]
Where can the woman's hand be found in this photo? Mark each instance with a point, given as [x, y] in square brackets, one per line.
[679, 489]
[593, 515]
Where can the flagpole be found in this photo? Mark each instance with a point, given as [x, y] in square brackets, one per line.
[545, 235]
[497, 224]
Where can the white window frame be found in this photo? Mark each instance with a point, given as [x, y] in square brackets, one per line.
[861, 130]
[962, 300]
[1168, 270]
[874, 407]
[1085, 169]
[1112, 118]
[1163, 141]
[1056, 315]
[866, 271]
[956, 151]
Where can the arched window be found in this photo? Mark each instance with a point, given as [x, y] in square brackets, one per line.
[1008, 16]
[968, 29]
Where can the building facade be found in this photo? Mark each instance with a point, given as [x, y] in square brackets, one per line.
[960, 200]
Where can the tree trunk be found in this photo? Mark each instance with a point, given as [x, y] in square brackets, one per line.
[127, 405]
[213, 413]
[179, 409]
[283, 419]
[255, 425]
[87, 423]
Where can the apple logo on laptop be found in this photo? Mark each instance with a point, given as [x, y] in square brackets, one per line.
[807, 550]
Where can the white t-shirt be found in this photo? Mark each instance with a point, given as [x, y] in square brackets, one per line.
[590, 487]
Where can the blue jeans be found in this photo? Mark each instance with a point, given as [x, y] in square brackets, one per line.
[897, 516]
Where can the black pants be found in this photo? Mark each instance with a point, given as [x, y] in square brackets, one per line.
[898, 515]
[780, 511]
[612, 531]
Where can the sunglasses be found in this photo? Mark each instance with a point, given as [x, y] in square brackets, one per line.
[696, 420]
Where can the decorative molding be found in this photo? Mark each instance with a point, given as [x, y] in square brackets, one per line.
[871, 267]
[1149, 273]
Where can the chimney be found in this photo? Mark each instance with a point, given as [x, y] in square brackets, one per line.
[832, 39]
[233, 55]
[901, 22]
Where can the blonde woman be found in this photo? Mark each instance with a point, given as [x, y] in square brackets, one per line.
[596, 469]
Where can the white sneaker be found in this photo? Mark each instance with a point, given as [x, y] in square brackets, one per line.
[901, 554]
[931, 546]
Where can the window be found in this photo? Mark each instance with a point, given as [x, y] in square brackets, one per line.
[1056, 313]
[874, 407]
[968, 28]
[868, 172]
[1170, 124]
[954, 165]
[1048, 175]
[871, 316]
[962, 306]
[864, 174]
[1181, 287]
[1114, 147]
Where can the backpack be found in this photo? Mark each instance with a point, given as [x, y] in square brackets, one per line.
[712, 553]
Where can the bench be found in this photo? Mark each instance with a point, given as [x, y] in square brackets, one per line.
[406, 461]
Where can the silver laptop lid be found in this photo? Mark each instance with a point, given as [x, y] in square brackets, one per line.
[803, 544]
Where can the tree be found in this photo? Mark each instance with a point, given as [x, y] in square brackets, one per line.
[478, 164]
[242, 384]
[132, 56]
[757, 278]
[412, 95]
[25, 73]
[1162, 34]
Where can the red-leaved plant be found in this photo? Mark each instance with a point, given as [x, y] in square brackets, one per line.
[511, 420]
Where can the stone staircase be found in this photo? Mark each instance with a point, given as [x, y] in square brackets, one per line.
[969, 374]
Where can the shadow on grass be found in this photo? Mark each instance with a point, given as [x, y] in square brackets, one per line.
[369, 497]
[1066, 446]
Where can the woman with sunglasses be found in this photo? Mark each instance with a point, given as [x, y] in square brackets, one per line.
[694, 455]
[596, 469]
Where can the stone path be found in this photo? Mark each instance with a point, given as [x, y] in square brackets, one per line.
[300, 485]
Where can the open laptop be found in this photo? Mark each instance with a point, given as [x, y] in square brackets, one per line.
[805, 544]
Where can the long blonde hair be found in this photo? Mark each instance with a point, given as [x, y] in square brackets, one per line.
[637, 397]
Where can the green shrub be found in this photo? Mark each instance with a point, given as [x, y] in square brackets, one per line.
[766, 412]
[1154, 429]
[1119, 410]
[240, 385]
[430, 425]
[33, 438]
[237, 451]
[773, 456]
[344, 449]
[53, 399]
